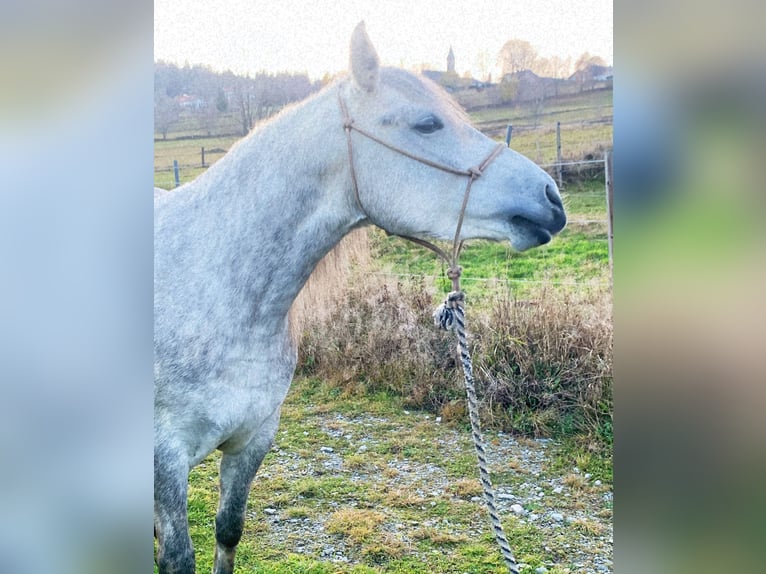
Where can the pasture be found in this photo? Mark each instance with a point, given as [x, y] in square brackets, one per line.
[359, 484]
[372, 469]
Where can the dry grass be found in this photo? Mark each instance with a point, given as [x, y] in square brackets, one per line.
[382, 336]
[543, 367]
[548, 364]
[357, 525]
[390, 472]
[361, 461]
[589, 527]
[438, 537]
[575, 481]
[465, 488]
[385, 547]
[319, 295]
[399, 498]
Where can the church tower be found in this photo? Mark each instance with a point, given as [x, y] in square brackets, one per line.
[450, 60]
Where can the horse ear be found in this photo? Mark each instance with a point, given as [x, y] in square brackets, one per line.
[365, 65]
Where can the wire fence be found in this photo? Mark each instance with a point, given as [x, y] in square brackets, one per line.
[570, 150]
[490, 280]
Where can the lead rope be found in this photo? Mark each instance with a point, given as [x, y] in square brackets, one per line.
[450, 314]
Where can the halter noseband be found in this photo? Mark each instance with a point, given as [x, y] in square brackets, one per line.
[472, 173]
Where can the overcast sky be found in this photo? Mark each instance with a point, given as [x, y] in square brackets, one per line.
[312, 37]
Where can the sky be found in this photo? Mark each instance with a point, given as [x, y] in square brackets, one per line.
[248, 36]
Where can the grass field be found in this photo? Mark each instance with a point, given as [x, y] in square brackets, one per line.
[586, 126]
[580, 107]
[360, 485]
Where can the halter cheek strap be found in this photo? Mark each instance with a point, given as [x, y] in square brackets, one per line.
[472, 173]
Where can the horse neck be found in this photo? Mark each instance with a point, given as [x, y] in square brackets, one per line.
[280, 200]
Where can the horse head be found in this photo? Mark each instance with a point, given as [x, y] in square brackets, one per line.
[411, 172]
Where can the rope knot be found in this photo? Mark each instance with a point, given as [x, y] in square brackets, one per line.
[455, 298]
[454, 272]
[475, 172]
[444, 315]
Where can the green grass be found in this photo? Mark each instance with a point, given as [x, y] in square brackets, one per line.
[384, 525]
[187, 152]
[579, 254]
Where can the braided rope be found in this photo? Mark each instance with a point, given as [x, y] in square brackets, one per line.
[451, 315]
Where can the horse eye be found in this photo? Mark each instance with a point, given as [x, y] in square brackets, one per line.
[428, 125]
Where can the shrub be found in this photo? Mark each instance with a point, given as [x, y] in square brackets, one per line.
[381, 338]
[542, 365]
[546, 363]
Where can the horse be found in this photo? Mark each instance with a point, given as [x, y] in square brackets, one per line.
[233, 248]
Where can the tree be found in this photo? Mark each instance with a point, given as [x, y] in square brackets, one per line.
[554, 67]
[516, 56]
[586, 60]
[483, 65]
[166, 113]
[215, 94]
[243, 100]
[221, 102]
[508, 90]
[584, 68]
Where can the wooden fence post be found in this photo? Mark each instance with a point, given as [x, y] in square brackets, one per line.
[508, 132]
[609, 207]
[203, 155]
[175, 172]
[558, 153]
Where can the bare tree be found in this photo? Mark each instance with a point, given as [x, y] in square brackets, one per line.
[483, 65]
[208, 117]
[217, 95]
[242, 99]
[586, 60]
[516, 56]
[166, 113]
[554, 67]
[584, 68]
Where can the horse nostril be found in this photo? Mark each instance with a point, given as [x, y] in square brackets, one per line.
[552, 194]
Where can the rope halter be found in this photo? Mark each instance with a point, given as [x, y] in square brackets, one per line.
[472, 173]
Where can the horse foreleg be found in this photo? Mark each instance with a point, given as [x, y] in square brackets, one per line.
[237, 473]
[175, 554]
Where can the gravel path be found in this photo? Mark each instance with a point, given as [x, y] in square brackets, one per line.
[568, 508]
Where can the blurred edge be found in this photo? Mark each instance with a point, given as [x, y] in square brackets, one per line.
[75, 300]
[689, 281]
[75, 297]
